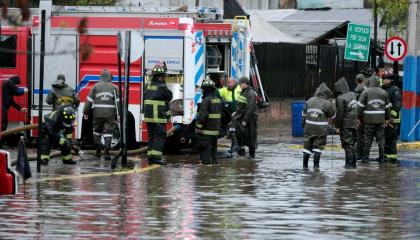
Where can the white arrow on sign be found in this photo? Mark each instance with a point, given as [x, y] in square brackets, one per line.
[395, 48]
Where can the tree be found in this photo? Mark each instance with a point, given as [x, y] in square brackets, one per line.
[394, 15]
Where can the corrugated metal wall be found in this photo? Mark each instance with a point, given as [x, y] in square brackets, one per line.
[294, 71]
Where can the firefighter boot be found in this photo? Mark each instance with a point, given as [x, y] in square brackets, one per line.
[107, 148]
[317, 157]
[354, 160]
[97, 142]
[381, 155]
[305, 160]
[349, 157]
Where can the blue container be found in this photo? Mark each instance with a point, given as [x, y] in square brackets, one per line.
[297, 108]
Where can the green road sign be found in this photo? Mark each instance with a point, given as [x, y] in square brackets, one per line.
[357, 42]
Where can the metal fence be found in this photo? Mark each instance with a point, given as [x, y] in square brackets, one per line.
[294, 71]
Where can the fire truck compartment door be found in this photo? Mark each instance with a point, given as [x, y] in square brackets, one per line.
[61, 58]
[169, 49]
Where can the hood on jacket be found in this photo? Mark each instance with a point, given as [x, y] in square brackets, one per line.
[59, 83]
[341, 85]
[106, 76]
[373, 82]
[323, 91]
[15, 79]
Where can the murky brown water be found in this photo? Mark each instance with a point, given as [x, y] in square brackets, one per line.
[269, 198]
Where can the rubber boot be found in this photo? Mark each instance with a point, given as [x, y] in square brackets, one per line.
[252, 153]
[317, 157]
[381, 155]
[305, 160]
[107, 148]
[69, 162]
[365, 157]
[159, 161]
[349, 157]
[354, 160]
[241, 152]
[359, 152]
[97, 142]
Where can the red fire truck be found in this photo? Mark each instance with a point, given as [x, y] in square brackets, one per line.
[193, 44]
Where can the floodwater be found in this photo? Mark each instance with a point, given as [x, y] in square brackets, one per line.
[270, 197]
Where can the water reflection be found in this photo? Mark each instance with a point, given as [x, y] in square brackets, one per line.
[267, 198]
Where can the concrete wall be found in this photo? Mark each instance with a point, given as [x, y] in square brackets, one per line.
[279, 112]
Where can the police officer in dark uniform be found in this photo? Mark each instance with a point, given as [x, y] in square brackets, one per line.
[246, 118]
[374, 108]
[346, 120]
[156, 114]
[62, 94]
[315, 115]
[103, 99]
[208, 123]
[9, 90]
[360, 87]
[392, 130]
[57, 128]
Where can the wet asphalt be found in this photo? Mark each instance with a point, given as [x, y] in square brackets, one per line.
[269, 197]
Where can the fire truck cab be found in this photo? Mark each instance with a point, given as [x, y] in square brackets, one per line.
[193, 44]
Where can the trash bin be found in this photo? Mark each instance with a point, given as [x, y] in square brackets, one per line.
[297, 108]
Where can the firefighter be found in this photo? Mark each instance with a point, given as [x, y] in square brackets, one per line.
[103, 99]
[360, 87]
[62, 94]
[156, 114]
[392, 130]
[246, 118]
[57, 128]
[315, 115]
[373, 108]
[229, 95]
[9, 90]
[208, 123]
[346, 120]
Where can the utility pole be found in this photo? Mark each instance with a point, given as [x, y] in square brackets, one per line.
[413, 28]
[375, 34]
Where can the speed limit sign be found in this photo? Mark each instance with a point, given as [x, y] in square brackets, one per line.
[395, 48]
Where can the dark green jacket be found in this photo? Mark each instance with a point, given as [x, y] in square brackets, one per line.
[54, 125]
[395, 98]
[209, 116]
[373, 104]
[346, 105]
[317, 111]
[247, 106]
[62, 94]
[102, 98]
[156, 102]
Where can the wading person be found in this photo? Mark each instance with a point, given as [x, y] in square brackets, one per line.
[360, 87]
[346, 120]
[9, 90]
[246, 118]
[208, 123]
[102, 100]
[373, 107]
[57, 128]
[156, 114]
[315, 115]
[392, 130]
[62, 94]
[229, 95]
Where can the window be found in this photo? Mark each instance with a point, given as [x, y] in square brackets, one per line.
[8, 45]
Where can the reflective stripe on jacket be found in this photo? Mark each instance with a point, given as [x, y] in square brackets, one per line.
[102, 99]
[156, 102]
[209, 116]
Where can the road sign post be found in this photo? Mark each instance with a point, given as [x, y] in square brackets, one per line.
[357, 42]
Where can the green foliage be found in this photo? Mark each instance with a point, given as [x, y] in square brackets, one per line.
[84, 2]
[394, 15]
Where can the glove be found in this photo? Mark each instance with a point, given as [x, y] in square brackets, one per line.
[62, 141]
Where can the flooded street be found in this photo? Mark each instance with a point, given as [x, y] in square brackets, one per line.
[270, 197]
